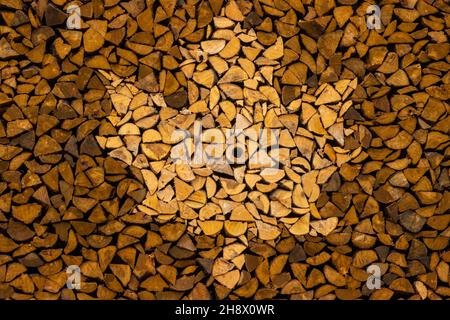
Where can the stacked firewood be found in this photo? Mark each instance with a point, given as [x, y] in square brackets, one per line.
[98, 102]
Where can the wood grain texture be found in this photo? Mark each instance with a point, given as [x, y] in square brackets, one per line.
[88, 126]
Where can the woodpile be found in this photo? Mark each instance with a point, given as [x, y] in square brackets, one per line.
[359, 175]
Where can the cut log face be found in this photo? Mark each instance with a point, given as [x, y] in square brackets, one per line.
[224, 150]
